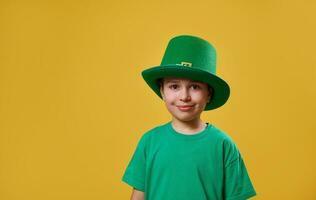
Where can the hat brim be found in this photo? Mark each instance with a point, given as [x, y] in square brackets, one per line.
[221, 90]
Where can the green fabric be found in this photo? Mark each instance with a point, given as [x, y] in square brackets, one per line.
[198, 52]
[168, 165]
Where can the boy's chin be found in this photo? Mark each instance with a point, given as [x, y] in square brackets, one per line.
[185, 117]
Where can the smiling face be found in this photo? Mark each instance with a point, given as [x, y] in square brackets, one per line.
[178, 92]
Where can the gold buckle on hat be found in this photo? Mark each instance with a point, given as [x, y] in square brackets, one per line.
[186, 64]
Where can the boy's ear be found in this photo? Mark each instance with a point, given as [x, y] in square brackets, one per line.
[209, 96]
[161, 92]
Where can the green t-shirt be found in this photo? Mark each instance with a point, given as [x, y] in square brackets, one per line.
[168, 165]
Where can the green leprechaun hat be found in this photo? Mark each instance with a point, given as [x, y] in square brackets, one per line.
[194, 58]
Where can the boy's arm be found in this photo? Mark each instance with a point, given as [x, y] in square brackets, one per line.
[137, 195]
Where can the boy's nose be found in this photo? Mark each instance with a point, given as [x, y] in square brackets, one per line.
[184, 95]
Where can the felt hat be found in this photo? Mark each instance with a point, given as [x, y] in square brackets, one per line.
[191, 57]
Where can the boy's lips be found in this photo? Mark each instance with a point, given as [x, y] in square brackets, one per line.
[185, 108]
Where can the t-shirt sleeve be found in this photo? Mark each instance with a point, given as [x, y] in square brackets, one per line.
[237, 183]
[135, 172]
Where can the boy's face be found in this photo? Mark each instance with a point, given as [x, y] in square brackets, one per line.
[178, 92]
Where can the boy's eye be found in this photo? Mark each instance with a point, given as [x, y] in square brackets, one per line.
[196, 86]
[173, 86]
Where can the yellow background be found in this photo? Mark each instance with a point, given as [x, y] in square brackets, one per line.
[73, 104]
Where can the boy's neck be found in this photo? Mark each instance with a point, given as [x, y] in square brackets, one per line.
[188, 127]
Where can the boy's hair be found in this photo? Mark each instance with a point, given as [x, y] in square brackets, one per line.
[160, 81]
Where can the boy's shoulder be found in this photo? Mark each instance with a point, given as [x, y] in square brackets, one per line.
[154, 131]
[221, 133]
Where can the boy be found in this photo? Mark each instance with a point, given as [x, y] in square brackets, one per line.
[186, 158]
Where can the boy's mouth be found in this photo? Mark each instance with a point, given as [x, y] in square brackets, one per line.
[185, 108]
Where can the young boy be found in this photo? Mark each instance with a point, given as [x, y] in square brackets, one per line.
[186, 158]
